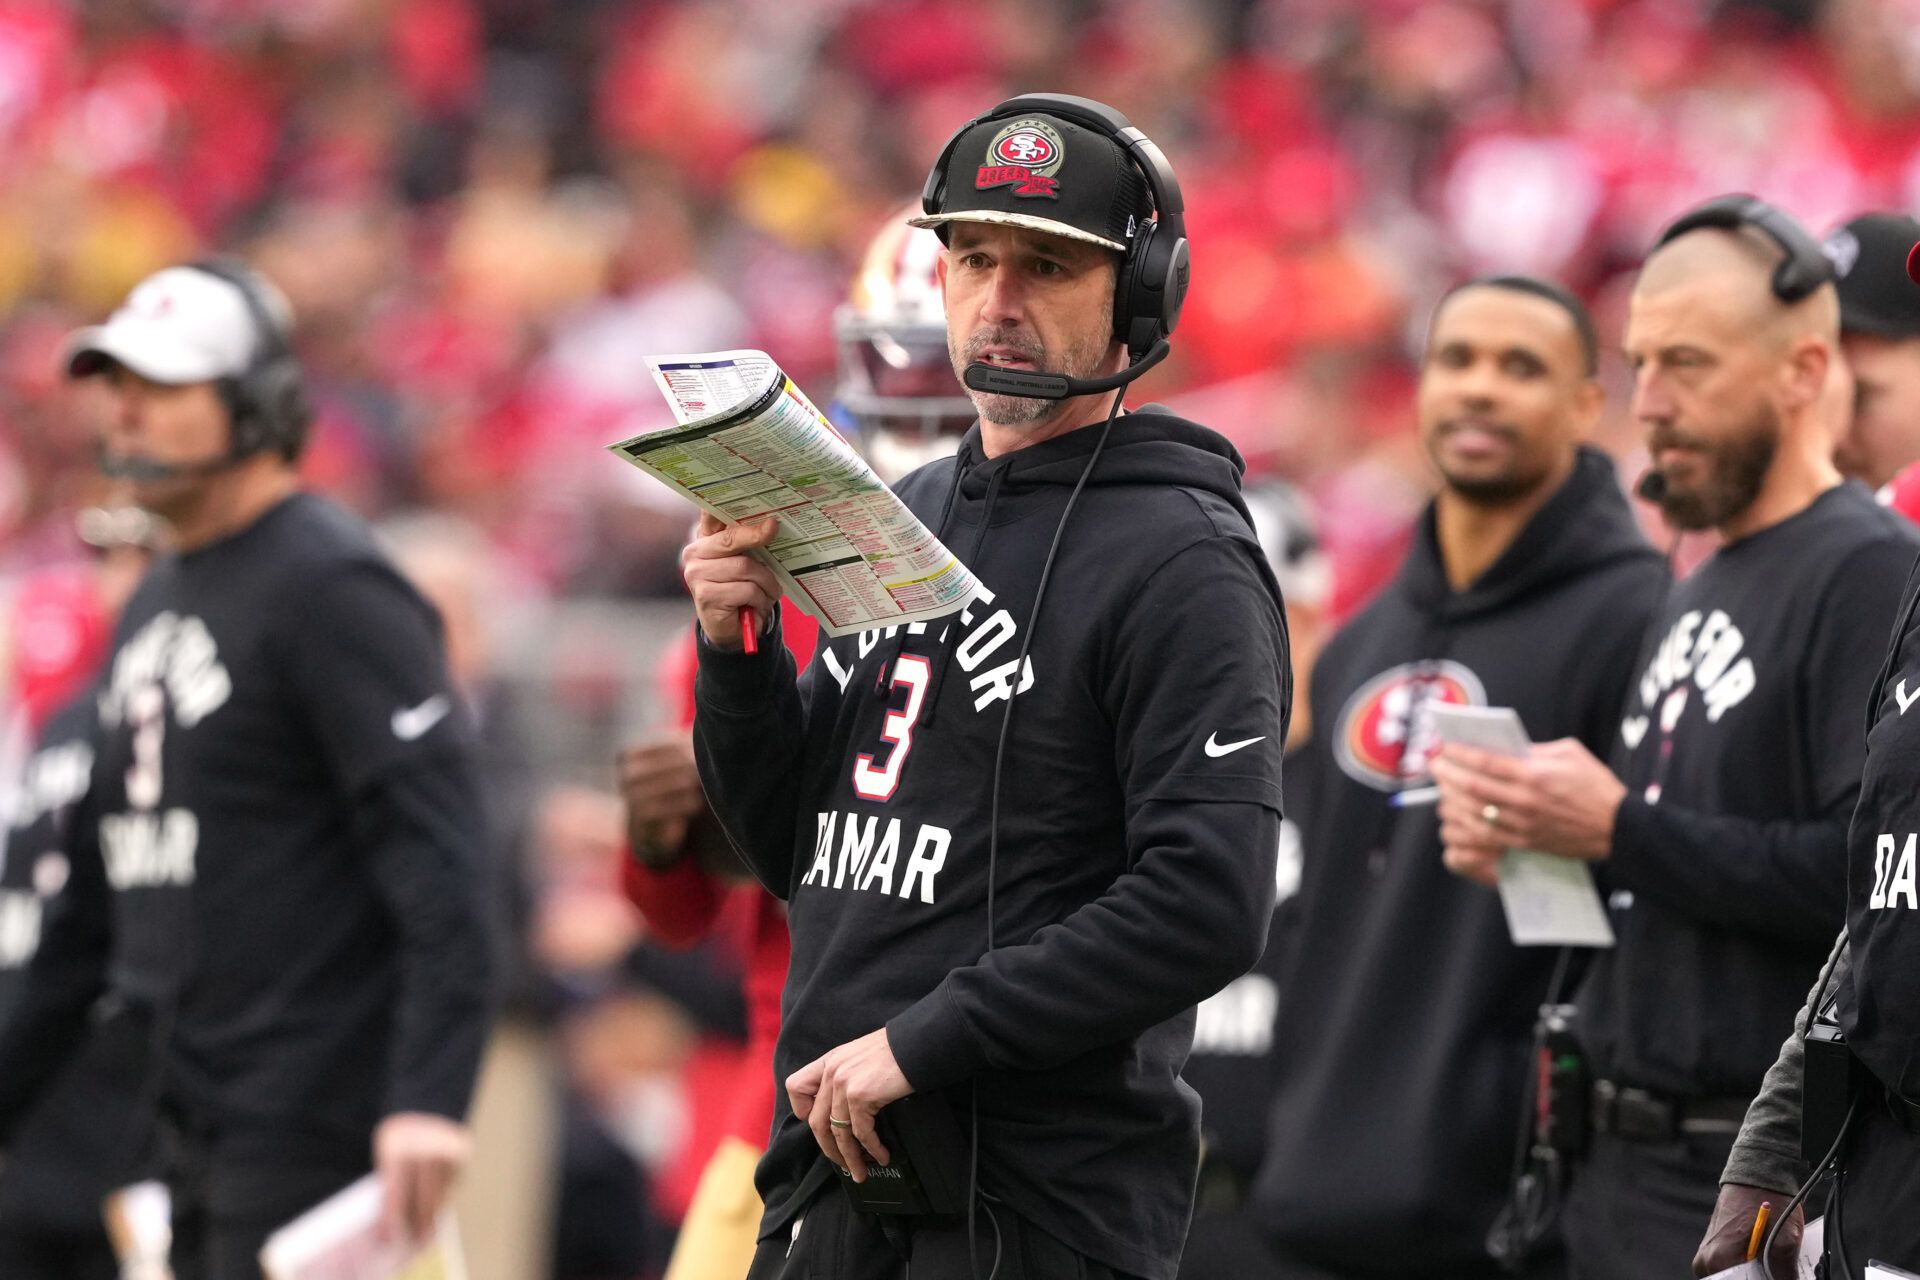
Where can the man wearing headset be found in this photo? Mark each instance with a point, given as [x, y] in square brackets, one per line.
[1866, 991]
[1015, 918]
[1723, 839]
[283, 819]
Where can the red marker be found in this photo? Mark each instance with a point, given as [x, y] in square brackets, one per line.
[749, 630]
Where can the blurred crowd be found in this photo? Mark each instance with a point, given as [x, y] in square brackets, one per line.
[488, 212]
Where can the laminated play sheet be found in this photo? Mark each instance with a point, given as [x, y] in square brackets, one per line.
[748, 444]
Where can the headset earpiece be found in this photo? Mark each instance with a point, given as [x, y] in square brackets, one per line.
[267, 402]
[1148, 299]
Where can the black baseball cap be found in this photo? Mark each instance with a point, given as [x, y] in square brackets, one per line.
[1869, 256]
[1047, 174]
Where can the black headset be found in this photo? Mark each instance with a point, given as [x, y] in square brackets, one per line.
[1804, 268]
[268, 399]
[1155, 267]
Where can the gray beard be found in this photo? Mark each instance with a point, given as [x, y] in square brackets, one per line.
[1020, 411]
[1010, 411]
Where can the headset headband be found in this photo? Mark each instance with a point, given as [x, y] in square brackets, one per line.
[1804, 268]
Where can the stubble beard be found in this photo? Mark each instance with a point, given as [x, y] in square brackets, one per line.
[1735, 472]
[1496, 489]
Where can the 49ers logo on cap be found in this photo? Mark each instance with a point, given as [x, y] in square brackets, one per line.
[1025, 155]
[1385, 734]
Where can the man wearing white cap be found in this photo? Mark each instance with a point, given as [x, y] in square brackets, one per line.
[283, 820]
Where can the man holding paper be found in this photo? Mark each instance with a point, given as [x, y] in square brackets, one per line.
[1408, 1008]
[1021, 841]
[1724, 836]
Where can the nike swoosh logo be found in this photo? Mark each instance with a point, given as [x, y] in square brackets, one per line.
[1218, 749]
[412, 722]
[1904, 698]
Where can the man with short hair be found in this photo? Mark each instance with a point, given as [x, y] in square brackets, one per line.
[1407, 1008]
[282, 829]
[901, 406]
[1016, 921]
[1724, 836]
[1880, 336]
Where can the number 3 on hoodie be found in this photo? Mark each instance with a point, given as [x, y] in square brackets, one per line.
[912, 673]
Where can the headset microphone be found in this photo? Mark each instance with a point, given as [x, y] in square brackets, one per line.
[1653, 486]
[1058, 386]
[116, 466]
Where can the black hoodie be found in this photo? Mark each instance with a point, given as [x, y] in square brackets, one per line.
[1408, 1009]
[75, 1142]
[1138, 822]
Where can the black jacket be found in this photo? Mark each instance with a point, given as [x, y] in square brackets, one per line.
[1138, 820]
[77, 1143]
[278, 854]
[1408, 1009]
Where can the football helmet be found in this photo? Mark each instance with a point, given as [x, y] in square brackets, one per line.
[897, 388]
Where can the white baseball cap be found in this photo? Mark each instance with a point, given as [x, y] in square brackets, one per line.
[178, 325]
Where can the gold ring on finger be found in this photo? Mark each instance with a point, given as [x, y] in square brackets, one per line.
[838, 1123]
[1490, 814]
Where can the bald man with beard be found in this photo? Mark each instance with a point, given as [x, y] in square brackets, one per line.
[1721, 831]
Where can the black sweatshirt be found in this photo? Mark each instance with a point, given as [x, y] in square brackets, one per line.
[1876, 998]
[282, 835]
[1741, 750]
[1139, 816]
[76, 1142]
[1408, 1010]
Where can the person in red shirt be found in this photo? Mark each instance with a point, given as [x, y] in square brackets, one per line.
[898, 400]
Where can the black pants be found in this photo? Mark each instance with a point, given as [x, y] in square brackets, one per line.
[40, 1254]
[224, 1210]
[1638, 1210]
[833, 1242]
[1232, 1246]
[1879, 1194]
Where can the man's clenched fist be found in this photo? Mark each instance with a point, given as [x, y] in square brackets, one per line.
[724, 579]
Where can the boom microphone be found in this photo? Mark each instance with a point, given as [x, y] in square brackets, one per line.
[120, 466]
[1652, 486]
[982, 376]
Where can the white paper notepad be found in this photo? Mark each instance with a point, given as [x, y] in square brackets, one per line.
[1549, 901]
[340, 1239]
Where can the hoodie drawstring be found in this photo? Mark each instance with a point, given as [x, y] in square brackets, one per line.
[973, 557]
